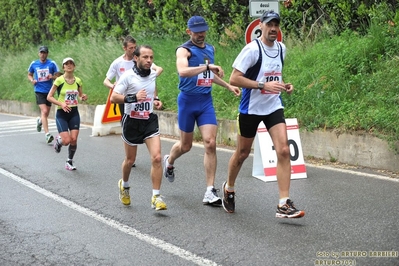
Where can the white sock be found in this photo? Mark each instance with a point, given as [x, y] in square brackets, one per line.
[228, 188]
[156, 192]
[125, 184]
[209, 188]
[282, 201]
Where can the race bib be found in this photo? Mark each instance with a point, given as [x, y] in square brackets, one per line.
[71, 97]
[43, 74]
[205, 78]
[141, 110]
[271, 76]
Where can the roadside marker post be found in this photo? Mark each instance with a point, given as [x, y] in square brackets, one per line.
[265, 158]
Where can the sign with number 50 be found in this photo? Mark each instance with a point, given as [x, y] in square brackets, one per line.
[265, 158]
[253, 31]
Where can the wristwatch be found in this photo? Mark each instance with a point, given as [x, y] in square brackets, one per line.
[260, 85]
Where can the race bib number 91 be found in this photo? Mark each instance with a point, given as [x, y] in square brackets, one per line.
[205, 78]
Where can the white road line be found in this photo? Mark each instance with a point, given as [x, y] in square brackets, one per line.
[20, 129]
[354, 172]
[170, 248]
[25, 127]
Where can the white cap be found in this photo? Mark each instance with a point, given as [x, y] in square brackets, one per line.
[67, 59]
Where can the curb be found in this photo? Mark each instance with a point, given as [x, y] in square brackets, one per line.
[354, 149]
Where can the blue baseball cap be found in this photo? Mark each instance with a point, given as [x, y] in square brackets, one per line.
[197, 24]
[269, 16]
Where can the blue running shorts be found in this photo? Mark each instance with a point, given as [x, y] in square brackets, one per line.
[195, 108]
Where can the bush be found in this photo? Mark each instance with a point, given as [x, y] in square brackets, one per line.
[342, 55]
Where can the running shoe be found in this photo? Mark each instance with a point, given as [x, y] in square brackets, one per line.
[49, 138]
[57, 144]
[168, 172]
[228, 201]
[69, 165]
[157, 203]
[288, 210]
[38, 124]
[124, 196]
[212, 198]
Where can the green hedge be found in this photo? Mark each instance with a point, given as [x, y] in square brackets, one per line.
[24, 23]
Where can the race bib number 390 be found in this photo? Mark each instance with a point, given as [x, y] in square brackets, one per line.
[141, 110]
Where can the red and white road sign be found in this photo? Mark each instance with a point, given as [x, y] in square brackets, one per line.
[253, 31]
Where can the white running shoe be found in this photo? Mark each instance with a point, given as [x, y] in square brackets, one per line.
[168, 172]
[69, 165]
[57, 144]
[212, 198]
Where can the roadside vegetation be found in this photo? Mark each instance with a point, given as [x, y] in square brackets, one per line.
[346, 81]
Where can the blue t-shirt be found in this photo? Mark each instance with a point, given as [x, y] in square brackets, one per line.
[202, 83]
[41, 73]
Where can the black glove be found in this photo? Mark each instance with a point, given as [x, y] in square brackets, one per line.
[130, 98]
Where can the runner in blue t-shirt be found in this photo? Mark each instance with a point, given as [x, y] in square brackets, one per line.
[41, 74]
[197, 72]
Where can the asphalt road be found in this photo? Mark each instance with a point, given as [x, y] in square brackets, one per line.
[51, 216]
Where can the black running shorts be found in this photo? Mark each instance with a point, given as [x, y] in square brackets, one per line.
[41, 98]
[248, 124]
[135, 131]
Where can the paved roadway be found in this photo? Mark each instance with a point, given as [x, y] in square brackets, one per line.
[50, 216]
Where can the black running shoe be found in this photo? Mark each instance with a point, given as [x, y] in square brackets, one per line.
[288, 210]
[228, 201]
